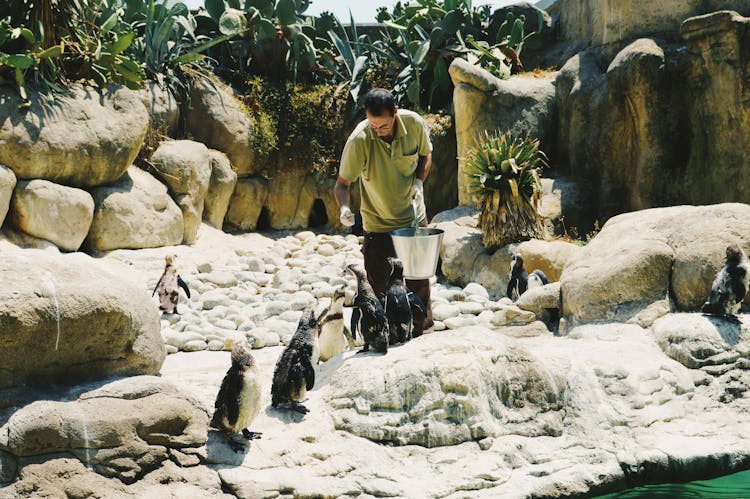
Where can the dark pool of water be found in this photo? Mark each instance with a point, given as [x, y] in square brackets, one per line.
[735, 486]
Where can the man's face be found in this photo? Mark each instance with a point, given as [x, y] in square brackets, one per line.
[382, 125]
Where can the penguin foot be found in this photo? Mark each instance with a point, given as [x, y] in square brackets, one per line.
[251, 435]
[300, 408]
[365, 349]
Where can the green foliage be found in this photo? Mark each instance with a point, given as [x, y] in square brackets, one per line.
[302, 124]
[167, 44]
[18, 64]
[505, 182]
[77, 39]
[504, 56]
[427, 35]
[275, 41]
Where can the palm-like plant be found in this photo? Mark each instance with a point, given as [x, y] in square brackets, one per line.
[505, 183]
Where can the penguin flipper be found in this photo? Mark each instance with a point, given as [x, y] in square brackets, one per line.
[183, 285]
[226, 401]
[157, 285]
[308, 370]
[356, 317]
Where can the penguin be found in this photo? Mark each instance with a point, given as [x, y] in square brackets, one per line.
[537, 279]
[730, 285]
[294, 374]
[334, 338]
[238, 401]
[418, 312]
[167, 285]
[396, 304]
[519, 281]
[372, 323]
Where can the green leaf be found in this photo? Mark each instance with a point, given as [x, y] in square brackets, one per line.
[393, 25]
[452, 21]
[437, 37]
[235, 4]
[421, 52]
[215, 9]
[232, 22]
[54, 51]
[110, 23]
[28, 36]
[20, 61]
[189, 57]
[413, 91]
[265, 7]
[265, 29]
[286, 12]
[122, 43]
[516, 34]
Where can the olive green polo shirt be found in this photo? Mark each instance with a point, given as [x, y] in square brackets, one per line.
[386, 171]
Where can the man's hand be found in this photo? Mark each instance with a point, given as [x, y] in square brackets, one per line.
[346, 217]
[417, 191]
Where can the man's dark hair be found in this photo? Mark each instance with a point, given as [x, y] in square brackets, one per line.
[379, 100]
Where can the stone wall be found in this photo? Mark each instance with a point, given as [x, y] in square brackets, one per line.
[659, 123]
[599, 22]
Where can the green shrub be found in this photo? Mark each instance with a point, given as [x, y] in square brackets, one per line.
[505, 183]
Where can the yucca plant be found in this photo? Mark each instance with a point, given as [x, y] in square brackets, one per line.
[505, 183]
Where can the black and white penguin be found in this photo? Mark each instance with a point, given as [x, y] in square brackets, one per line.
[294, 374]
[238, 401]
[167, 286]
[519, 281]
[730, 285]
[418, 312]
[396, 304]
[334, 338]
[372, 323]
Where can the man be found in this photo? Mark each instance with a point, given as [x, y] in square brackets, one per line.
[391, 153]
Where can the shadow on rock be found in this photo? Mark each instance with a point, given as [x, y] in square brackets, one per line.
[219, 450]
[729, 327]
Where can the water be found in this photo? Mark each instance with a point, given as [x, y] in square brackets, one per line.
[733, 486]
[51, 286]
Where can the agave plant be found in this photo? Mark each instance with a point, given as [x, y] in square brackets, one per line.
[505, 183]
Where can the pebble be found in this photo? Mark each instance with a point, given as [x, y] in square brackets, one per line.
[261, 297]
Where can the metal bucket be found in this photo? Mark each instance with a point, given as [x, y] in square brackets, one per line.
[418, 249]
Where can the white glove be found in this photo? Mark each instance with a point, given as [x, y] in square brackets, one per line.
[417, 191]
[346, 217]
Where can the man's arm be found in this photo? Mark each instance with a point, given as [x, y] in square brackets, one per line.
[341, 191]
[423, 167]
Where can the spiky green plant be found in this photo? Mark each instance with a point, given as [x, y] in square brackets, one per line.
[505, 183]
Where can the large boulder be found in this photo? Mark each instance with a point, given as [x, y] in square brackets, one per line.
[619, 130]
[163, 108]
[84, 137]
[57, 213]
[447, 389]
[185, 166]
[7, 185]
[718, 93]
[646, 257]
[522, 105]
[69, 317]
[599, 22]
[292, 192]
[134, 212]
[124, 429]
[220, 188]
[216, 118]
[699, 341]
[247, 203]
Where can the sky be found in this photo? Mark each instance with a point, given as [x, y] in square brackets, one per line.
[364, 11]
